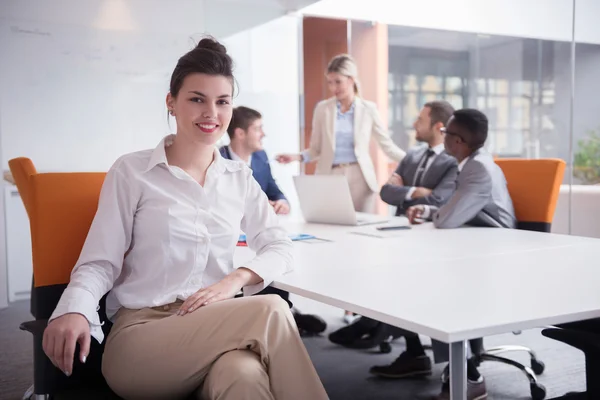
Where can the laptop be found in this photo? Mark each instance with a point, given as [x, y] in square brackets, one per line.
[326, 199]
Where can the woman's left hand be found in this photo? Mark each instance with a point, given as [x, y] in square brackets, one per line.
[225, 289]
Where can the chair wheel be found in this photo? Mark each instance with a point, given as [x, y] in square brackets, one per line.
[537, 366]
[385, 348]
[538, 391]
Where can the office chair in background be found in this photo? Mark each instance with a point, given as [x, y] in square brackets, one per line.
[534, 186]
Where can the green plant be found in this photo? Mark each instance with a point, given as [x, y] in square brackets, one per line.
[587, 159]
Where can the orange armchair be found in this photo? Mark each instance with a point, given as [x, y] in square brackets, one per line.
[61, 207]
[534, 187]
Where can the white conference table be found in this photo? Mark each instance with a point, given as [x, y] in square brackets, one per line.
[451, 285]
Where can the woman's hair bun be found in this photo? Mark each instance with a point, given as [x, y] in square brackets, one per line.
[211, 44]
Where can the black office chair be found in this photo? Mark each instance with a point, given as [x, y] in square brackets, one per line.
[588, 342]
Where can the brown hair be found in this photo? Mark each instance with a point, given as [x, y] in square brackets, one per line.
[344, 64]
[209, 57]
[242, 118]
[439, 111]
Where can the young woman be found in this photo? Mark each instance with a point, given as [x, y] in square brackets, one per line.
[162, 242]
[341, 135]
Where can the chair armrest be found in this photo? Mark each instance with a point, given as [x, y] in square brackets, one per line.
[36, 327]
[585, 341]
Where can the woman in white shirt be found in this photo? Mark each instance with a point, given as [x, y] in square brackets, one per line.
[162, 242]
[341, 135]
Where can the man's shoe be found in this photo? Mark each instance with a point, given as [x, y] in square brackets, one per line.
[347, 335]
[405, 366]
[475, 390]
[310, 324]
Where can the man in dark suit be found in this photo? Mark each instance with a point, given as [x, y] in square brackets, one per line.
[427, 174]
[245, 135]
[481, 197]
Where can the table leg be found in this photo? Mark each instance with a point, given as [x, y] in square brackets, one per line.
[458, 371]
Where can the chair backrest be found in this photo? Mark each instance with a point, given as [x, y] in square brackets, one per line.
[61, 207]
[534, 186]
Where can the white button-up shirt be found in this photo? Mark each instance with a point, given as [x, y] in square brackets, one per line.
[159, 236]
[235, 157]
[437, 150]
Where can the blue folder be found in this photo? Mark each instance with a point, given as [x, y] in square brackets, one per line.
[294, 236]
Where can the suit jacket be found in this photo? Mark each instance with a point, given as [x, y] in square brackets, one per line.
[440, 177]
[366, 123]
[481, 197]
[261, 170]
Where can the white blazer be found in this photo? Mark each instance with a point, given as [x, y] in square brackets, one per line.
[366, 123]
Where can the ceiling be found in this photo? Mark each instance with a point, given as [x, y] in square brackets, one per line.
[442, 40]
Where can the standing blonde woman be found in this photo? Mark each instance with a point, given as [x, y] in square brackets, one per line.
[341, 135]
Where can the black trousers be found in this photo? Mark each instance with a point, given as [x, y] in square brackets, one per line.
[282, 293]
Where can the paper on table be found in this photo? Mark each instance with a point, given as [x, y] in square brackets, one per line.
[371, 230]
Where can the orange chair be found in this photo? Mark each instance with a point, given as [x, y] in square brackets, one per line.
[534, 187]
[60, 207]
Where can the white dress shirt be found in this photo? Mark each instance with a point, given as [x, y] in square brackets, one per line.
[159, 236]
[235, 157]
[437, 150]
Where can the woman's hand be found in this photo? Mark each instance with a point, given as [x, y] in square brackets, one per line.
[288, 158]
[61, 336]
[225, 289]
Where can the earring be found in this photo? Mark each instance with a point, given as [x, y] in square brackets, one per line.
[171, 112]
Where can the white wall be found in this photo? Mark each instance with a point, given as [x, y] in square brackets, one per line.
[3, 269]
[85, 82]
[542, 19]
[84, 85]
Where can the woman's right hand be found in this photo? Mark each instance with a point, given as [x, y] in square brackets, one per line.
[61, 336]
[288, 158]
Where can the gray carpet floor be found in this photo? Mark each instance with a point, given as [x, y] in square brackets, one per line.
[343, 372]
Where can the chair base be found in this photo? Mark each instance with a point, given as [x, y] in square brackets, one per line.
[538, 391]
[28, 394]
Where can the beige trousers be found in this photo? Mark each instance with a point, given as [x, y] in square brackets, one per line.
[244, 348]
[362, 195]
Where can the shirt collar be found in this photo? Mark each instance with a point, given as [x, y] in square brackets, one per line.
[438, 149]
[235, 157]
[464, 162]
[339, 107]
[159, 156]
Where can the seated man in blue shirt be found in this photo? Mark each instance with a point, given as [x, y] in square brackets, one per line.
[245, 135]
